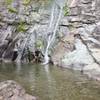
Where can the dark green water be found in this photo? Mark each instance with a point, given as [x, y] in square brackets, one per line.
[51, 83]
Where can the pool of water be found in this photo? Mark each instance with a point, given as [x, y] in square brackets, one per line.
[51, 82]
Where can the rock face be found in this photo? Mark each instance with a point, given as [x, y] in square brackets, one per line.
[10, 90]
[24, 24]
[21, 24]
[83, 19]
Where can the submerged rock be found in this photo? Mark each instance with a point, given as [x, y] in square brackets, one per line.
[10, 90]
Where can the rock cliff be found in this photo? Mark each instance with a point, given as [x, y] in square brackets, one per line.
[83, 20]
[23, 26]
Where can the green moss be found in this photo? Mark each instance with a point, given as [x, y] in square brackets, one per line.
[9, 1]
[12, 10]
[39, 44]
[66, 10]
[26, 2]
[21, 27]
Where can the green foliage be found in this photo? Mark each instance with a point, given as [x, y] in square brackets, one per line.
[9, 1]
[39, 44]
[21, 27]
[26, 2]
[12, 10]
[66, 10]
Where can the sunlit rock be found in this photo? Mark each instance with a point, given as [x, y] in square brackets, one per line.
[80, 56]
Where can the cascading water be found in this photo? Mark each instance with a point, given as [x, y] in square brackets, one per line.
[51, 38]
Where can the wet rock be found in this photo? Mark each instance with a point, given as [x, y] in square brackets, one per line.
[10, 90]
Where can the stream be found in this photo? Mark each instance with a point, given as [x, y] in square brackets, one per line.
[51, 82]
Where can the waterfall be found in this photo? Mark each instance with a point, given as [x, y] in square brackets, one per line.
[52, 36]
[46, 58]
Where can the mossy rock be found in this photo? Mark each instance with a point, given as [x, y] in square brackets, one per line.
[12, 10]
[22, 27]
[39, 44]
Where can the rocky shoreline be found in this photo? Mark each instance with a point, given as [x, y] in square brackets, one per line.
[10, 90]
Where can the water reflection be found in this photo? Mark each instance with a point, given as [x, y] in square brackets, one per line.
[18, 67]
[50, 82]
